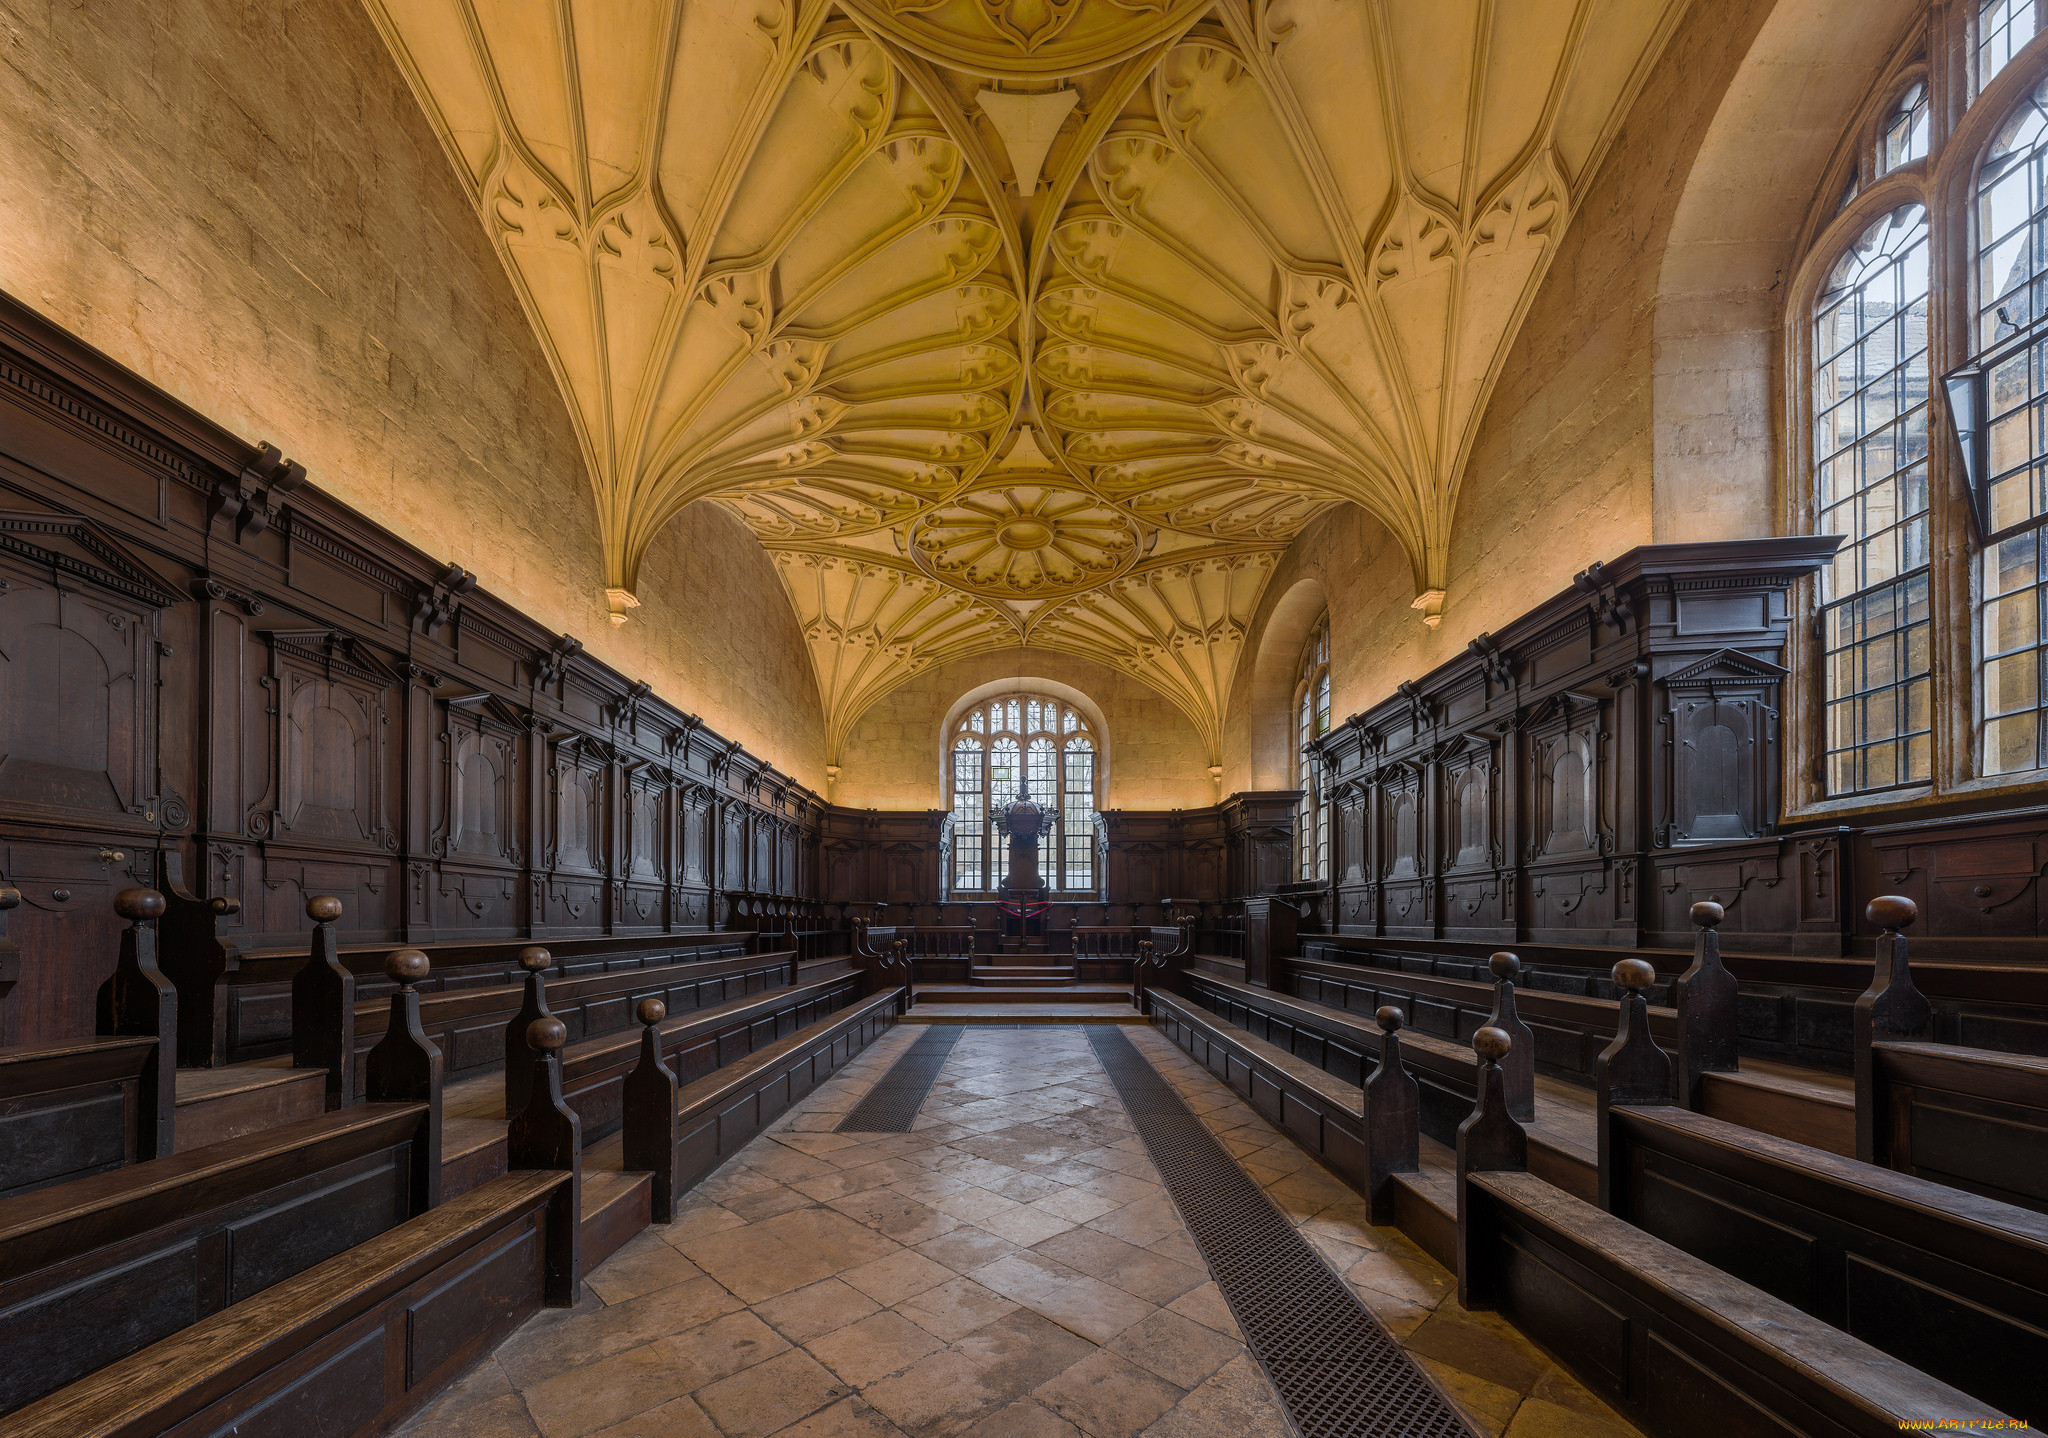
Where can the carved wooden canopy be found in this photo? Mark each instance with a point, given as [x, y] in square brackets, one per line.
[1026, 321]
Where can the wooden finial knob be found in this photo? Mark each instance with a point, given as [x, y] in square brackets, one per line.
[406, 967]
[651, 1011]
[1707, 914]
[1892, 911]
[10, 898]
[1492, 1044]
[536, 959]
[1634, 974]
[547, 1034]
[135, 905]
[1504, 965]
[222, 904]
[323, 908]
[1390, 1018]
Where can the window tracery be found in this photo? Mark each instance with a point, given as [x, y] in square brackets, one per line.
[1311, 722]
[1019, 743]
[1927, 669]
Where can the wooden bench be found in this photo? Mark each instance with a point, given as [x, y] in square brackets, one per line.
[1678, 1346]
[1969, 1118]
[348, 1345]
[1681, 1347]
[102, 1266]
[679, 1131]
[1343, 1047]
[1952, 1283]
[469, 1025]
[68, 1110]
[259, 997]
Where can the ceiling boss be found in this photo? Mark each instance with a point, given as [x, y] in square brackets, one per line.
[1041, 322]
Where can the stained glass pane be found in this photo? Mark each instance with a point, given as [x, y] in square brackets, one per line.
[1870, 390]
[1010, 718]
[975, 723]
[1031, 724]
[1071, 722]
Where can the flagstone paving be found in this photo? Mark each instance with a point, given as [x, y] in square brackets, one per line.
[1011, 1268]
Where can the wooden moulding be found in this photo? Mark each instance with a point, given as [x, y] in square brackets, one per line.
[1489, 1141]
[317, 1349]
[545, 1135]
[1632, 1069]
[1705, 998]
[324, 1007]
[138, 1001]
[1392, 1104]
[406, 1068]
[1891, 1009]
[1518, 1067]
[534, 962]
[650, 1119]
[196, 959]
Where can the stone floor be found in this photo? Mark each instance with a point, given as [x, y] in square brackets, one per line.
[1010, 1269]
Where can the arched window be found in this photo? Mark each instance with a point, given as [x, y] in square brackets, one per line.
[1019, 743]
[2003, 27]
[2012, 283]
[1870, 392]
[1311, 722]
[1904, 138]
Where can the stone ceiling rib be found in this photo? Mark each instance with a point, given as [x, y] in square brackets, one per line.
[1271, 259]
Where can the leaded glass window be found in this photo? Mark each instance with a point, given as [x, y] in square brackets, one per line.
[1870, 389]
[1031, 743]
[1311, 722]
[1906, 130]
[2003, 29]
[2012, 278]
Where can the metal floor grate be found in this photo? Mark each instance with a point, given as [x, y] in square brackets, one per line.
[1339, 1372]
[891, 1105]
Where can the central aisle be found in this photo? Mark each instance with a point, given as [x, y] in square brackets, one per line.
[1010, 1268]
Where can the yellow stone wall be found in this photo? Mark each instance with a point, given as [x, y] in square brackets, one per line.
[244, 203]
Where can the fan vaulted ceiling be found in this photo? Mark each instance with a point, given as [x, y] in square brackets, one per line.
[1026, 321]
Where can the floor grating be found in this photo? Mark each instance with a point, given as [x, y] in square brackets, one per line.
[891, 1105]
[1338, 1371]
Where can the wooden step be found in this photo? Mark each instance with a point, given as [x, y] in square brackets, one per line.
[615, 1207]
[217, 1104]
[472, 1153]
[1809, 1106]
[1021, 978]
[1068, 993]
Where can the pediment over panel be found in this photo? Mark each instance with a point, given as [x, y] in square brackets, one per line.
[333, 652]
[1725, 666]
[74, 547]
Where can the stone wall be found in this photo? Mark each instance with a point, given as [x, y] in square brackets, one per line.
[1156, 759]
[245, 204]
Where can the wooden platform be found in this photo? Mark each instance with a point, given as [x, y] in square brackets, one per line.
[1012, 1014]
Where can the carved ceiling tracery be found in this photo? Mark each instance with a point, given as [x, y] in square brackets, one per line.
[1025, 321]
